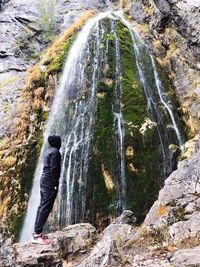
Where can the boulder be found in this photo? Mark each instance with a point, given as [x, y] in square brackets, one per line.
[127, 217]
[6, 252]
[186, 258]
[72, 240]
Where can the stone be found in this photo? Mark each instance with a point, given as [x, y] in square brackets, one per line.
[177, 207]
[66, 243]
[127, 217]
[163, 6]
[186, 258]
[138, 13]
[108, 251]
[6, 252]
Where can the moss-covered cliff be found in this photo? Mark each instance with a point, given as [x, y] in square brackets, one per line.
[20, 151]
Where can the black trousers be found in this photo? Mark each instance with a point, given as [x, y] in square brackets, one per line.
[47, 199]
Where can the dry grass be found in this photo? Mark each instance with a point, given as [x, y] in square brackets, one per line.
[162, 210]
[57, 46]
[36, 74]
[8, 81]
[9, 161]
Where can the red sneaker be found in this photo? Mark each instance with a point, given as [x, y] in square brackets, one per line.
[40, 239]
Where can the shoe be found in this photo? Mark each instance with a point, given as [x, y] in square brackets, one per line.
[40, 239]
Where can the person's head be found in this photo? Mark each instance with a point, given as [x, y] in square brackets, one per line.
[55, 141]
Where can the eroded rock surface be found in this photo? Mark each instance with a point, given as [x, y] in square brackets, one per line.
[73, 240]
[177, 208]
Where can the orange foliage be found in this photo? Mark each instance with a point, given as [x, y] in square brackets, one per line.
[162, 210]
[34, 75]
[57, 45]
[9, 161]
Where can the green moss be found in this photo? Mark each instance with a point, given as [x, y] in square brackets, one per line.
[16, 225]
[56, 65]
[143, 169]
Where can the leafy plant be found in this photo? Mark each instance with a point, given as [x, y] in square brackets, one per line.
[47, 10]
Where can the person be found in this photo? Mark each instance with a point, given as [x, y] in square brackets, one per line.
[49, 183]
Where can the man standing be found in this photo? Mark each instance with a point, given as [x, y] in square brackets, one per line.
[48, 188]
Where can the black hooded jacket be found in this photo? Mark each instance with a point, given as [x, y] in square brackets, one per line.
[52, 164]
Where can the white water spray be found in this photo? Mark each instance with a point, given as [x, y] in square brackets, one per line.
[73, 65]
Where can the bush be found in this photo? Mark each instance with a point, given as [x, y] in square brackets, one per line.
[47, 10]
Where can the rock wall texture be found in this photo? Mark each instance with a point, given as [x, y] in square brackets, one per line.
[171, 231]
[171, 31]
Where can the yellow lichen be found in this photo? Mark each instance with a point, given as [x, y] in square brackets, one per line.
[108, 179]
[129, 152]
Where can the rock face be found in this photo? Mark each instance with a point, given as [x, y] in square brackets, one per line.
[24, 107]
[168, 29]
[185, 15]
[186, 258]
[171, 31]
[177, 210]
[6, 252]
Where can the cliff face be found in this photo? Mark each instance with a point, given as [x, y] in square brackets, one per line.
[26, 96]
[170, 29]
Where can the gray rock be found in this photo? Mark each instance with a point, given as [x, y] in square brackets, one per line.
[6, 252]
[138, 13]
[127, 217]
[186, 258]
[66, 243]
[108, 251]
[163, 6]
[177, 207]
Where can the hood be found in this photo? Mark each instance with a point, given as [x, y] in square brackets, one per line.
[55, 141]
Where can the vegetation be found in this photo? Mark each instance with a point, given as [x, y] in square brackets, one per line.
[19, 153]
[47, 19]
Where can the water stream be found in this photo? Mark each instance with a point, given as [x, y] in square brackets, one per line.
[73, 118]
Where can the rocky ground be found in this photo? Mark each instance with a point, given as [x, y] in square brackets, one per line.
[120, 244]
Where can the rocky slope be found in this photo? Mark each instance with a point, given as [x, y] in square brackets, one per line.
[120, 244]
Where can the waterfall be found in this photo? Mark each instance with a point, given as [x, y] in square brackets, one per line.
[166, 104]
[75, 132]
[119, 120]
[74, 116]
[150, 80]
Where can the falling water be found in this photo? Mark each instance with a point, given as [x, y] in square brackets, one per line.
[159, 86]
[75, 132]
[73, 118]
[149, 78]
[119, 119]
